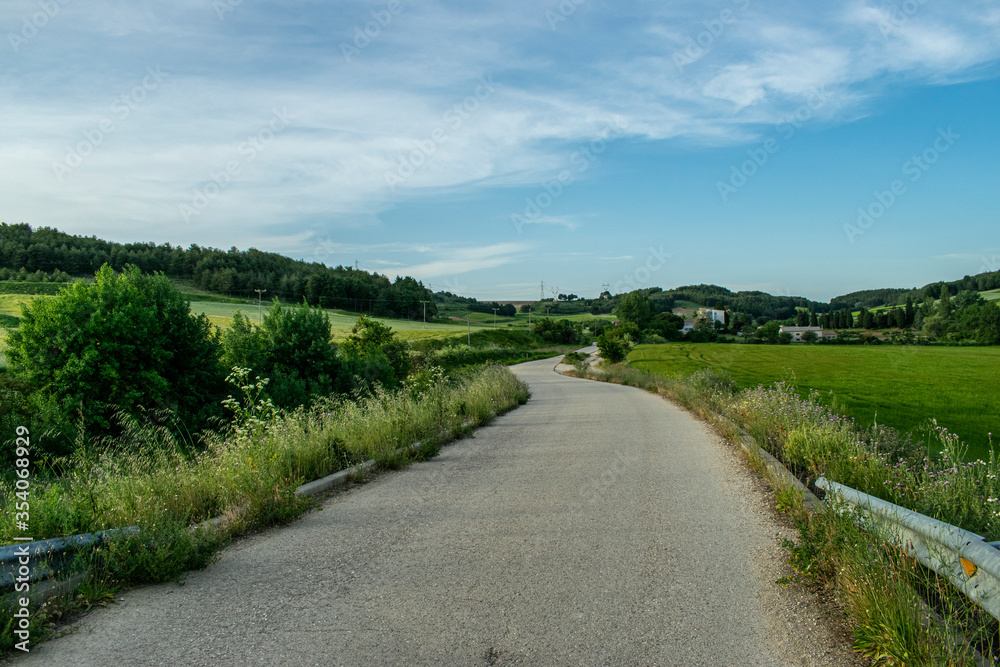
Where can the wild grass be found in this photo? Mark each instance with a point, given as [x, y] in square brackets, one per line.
[891, 600]
[248, 475]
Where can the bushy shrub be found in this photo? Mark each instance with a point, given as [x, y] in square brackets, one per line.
[561, 332]
[125, 342]
[370, 340]
[615, 343]
[292, 348]
[634, 307]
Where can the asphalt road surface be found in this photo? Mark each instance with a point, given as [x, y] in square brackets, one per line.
[596, 525]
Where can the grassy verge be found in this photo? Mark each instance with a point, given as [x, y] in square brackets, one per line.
[890, 600]
[247, 476]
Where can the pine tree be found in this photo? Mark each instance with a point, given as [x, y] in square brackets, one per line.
[945, 302]
[813, 322]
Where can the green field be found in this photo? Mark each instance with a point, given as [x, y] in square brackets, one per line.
[902, 386]
[221, 314]
[521, 319]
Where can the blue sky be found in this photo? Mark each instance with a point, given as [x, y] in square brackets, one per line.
[486, 147]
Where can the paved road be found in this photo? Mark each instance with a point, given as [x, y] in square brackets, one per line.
[596, 525]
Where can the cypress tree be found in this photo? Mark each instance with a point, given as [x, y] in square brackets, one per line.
[945, 302]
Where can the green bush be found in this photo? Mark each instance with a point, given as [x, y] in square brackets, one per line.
[613, 347]
[292, 347]
[126, 342]
[562, 332]
[634, 307]
[372, 341]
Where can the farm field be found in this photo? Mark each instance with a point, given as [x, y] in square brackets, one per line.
[221, 314]
[521, 319]
[901, 386]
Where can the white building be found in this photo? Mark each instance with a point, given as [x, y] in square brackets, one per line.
[797, 332]
[713, 315]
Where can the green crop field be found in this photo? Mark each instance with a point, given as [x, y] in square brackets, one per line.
[221, 315]
[992, 295]
[521, 319]
[901, 386]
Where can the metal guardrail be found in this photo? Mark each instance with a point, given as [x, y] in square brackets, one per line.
[48, 560]
[966, 559]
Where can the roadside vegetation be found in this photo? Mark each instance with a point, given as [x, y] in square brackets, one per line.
[143, 414]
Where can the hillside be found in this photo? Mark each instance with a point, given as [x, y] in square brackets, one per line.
[45, 254]
[987, 284]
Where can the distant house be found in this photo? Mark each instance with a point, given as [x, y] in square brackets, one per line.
[713, 315]
[702, 315]
[797, 332]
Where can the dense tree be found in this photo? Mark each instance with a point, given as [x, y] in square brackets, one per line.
[769, 332]
[126, 342]
[634, 307]
[234, 272]
[944, 305]
[563, 332]
[370, 340]
[292, 349]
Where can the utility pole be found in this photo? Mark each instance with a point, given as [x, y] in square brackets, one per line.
[425, 313]
[541, 292]
[260, 316]
[495, 317]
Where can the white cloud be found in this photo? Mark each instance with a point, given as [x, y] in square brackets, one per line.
[393, 105]
[459, 260]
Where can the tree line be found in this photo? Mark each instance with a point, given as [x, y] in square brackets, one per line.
[25, 251]
[873, 298]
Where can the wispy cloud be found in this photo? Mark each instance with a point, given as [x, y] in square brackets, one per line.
[415, 85]
[454, 261]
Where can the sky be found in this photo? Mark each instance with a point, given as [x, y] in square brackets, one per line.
[507, 150]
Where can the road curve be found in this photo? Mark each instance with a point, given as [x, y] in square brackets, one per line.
[596, 525]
